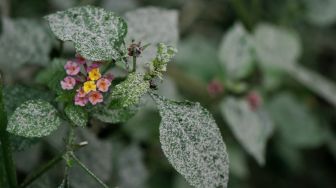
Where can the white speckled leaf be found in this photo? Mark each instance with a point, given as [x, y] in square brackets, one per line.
[97, 33]
[276, 47]
[152, 25]
[77, 115]
[114, 115]
[130, 91]
[235, 52]
[23, 41]
[251, 128]
[192, 143]
[317, 83]
[34, 118]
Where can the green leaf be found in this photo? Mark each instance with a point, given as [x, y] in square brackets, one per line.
[321, 13]
[198, 56]
[276, 49]
[317, 83]
[297, 125]
[52, 77]
[192, 143]
[23, 41]
[252, 128]
[96, 33]
[77, 115]
[235, 52]
[130, 91]
[34, 118]
[114, 115]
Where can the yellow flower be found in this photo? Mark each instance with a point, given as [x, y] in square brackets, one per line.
[94, 74]
[89, 86]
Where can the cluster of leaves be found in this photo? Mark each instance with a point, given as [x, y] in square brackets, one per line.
[188, 133]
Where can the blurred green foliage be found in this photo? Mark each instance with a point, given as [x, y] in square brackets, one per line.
[272, 47]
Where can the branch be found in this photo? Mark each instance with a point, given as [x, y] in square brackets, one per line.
[6, 144]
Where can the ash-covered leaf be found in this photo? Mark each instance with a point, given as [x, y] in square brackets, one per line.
[77, 115]
[130, 91]
[152, 25]
[23, 41]
[296, 124]
[276, 46]
[131, 168]
[235, 52]
[252, 128]
[276, 49]
[114, 115]
[96, 33]
[192, 143]
[34, 118]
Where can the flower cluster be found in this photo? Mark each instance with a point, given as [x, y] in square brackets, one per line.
[85, 77]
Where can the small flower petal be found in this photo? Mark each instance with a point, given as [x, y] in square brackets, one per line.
[95, 97]
[72, 68]
[68, 83]
[89, 86]
[94, 74]
[103, 84]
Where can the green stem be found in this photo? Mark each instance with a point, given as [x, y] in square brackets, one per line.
[89, 171]
[6, 144]
[39, 172]
[3, 182]
[134, 63]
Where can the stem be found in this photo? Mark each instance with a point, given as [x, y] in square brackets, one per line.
[3, 176]
[39, 172]
[42, 170]
[89, 171]
[134, 63]
[6, 144]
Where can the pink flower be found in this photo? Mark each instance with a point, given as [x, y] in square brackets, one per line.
[95, 97]
[81, 101]
[215, 88]
[80, 92]
[103, 84]
[72, 68]
[68, 83]
[254, 100]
